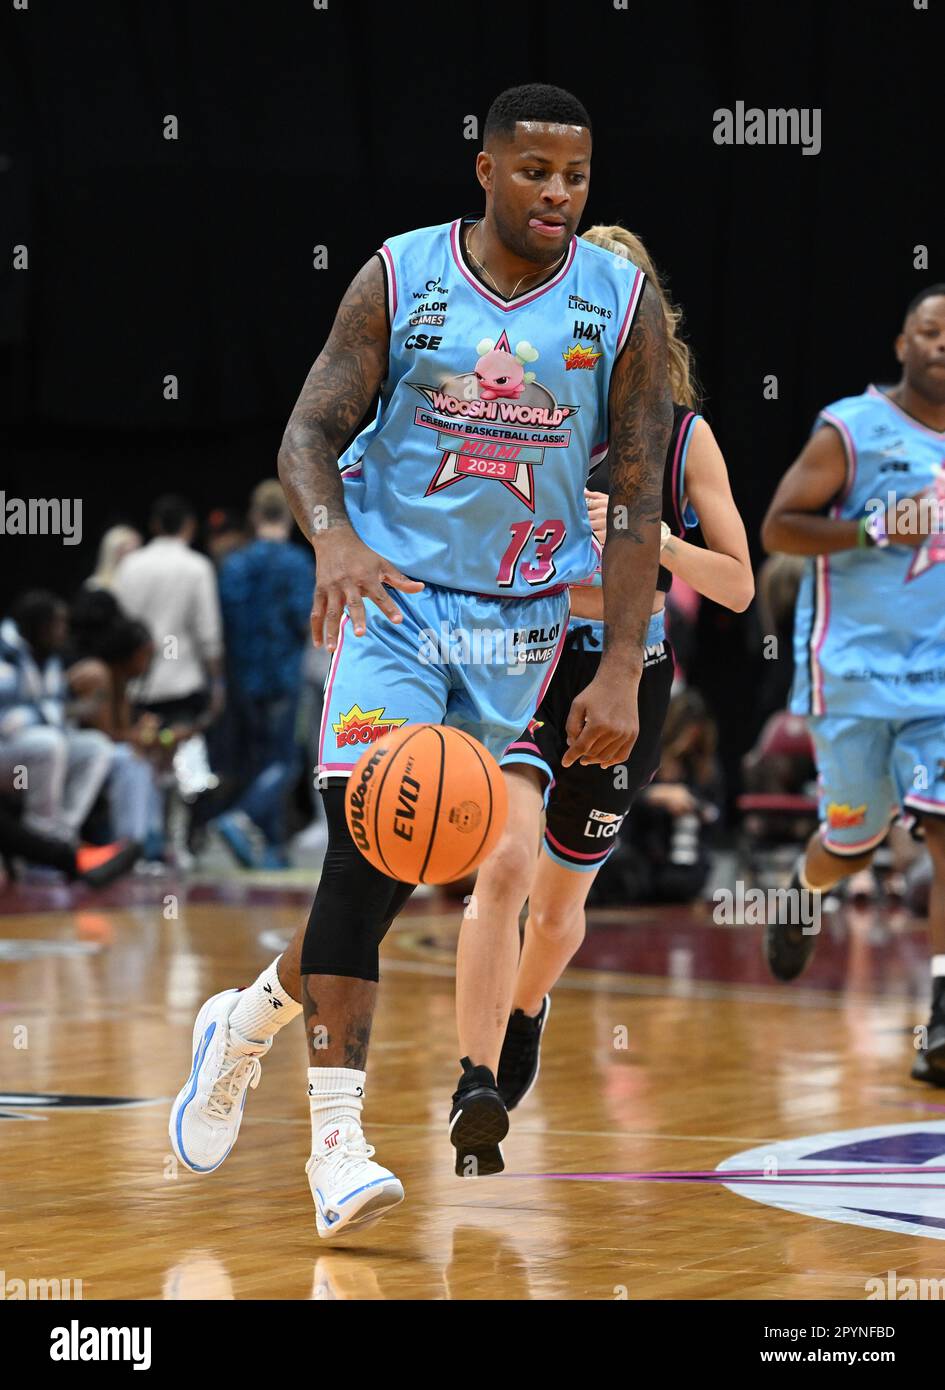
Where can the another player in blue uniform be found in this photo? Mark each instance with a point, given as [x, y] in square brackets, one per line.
[507, 355]
[864, 501]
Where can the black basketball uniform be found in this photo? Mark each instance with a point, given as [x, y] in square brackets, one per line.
[586, 806]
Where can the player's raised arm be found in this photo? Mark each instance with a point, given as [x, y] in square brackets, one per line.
[603, 723]
[720, 569]
[338, 390]
[795, 524]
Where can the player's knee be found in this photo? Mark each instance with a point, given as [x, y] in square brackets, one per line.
[509, 868]
[353, 907]
[555, 921]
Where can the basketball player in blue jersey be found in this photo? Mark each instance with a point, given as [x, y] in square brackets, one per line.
[502, 994]
[507, 354]
[863, 500]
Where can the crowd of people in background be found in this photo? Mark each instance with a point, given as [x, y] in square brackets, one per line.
[163, 646]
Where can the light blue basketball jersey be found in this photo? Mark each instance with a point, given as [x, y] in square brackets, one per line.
[471, 475]
[869, 630]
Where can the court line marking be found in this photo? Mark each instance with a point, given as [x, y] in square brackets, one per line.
[253, 1120]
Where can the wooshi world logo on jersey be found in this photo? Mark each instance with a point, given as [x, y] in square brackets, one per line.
[497, 420]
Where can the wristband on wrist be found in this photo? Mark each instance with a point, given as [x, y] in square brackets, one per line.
[874, 530]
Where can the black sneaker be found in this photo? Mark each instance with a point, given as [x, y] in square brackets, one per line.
[478, 1121]
[921, 1071]
[930, 1062]
[521, 1054]
[789, 946]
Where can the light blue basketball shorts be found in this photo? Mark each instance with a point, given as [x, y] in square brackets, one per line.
[470, 661]
[870, 771]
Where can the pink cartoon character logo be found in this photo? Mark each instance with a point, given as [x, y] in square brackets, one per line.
[502, 374]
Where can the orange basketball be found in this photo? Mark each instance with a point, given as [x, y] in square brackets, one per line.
[426, 804]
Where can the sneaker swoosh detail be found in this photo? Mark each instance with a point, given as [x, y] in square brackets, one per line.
[330, 1220]
[364, 1187]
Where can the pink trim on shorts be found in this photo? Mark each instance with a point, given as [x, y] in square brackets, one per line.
[819, 635]
[924, 803]
[332, 672]
[554, 661]
[858, 847]
[575, 853]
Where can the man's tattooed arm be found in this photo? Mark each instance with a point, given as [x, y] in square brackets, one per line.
[641, 418]
[338, 390]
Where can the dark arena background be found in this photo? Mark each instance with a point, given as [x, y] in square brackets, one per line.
[186, 190]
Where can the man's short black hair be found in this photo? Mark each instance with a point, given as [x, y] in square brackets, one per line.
[169, 514]
[536, 101]
[930, 292]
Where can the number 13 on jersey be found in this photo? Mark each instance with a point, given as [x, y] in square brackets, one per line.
[547, 536]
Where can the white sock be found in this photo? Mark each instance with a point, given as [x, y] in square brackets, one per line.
[335, 1095]
[264, 1007]
[938, 967]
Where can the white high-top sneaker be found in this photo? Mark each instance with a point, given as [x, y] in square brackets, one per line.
[348, 1189]
[206, 1116]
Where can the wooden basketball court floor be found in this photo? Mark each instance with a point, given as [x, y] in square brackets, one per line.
[98, 1000]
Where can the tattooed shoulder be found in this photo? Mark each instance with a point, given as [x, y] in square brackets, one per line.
[353, 363]
[641, 412]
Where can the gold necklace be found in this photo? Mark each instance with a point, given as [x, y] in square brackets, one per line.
[489, 273]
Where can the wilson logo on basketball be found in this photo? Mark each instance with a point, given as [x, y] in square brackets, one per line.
[364, 726]
[357, 798]
[466, 816]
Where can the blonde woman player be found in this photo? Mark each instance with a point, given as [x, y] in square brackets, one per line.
[502, 996]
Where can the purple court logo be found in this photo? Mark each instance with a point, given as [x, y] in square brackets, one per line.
[888, 1177]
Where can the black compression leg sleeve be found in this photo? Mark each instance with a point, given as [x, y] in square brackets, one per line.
[354, 906]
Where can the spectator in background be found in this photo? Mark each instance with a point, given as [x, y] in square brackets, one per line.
[117, 542]
[110, 650]
[225, 533]
[173, 591]
[266, 596]
[58, 769]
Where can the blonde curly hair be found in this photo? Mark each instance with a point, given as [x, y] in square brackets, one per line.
[681, 367]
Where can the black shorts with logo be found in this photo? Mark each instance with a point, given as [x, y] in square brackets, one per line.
[586, 806]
